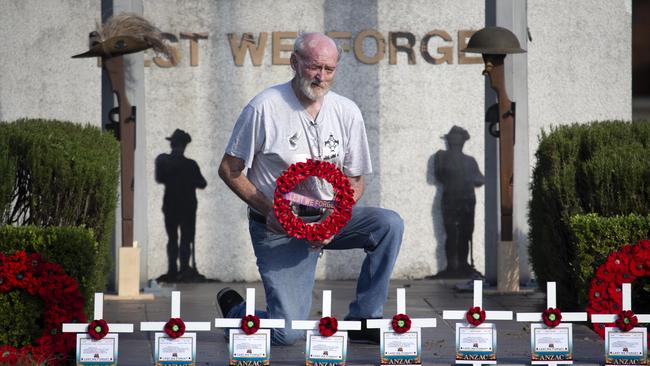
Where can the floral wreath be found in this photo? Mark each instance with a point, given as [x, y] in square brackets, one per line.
[62, 302]
[344, 199]
[475, 316]
[401, 323]
[328, 326]
[605, 294]
[250, 324]
[175, 327]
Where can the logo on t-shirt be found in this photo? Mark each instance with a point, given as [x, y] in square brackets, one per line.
[332, 145]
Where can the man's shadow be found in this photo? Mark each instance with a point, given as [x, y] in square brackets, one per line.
[181, 177]
[459, 176]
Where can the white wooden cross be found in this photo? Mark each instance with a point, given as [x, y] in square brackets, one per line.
[627, 305]
[98, 314]
[327, 311]
[478, 301]
[250, 310]
[386, 324]
[551, 303]
[566, 317]
[176, 313]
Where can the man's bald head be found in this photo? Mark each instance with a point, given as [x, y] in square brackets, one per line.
[308, 43]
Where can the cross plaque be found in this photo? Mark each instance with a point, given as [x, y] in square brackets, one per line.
[551, 345]
[466, 345]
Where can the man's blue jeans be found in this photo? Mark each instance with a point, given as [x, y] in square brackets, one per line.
[287, 266]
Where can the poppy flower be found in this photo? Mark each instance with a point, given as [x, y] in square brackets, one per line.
[175, 327]
[401, 323]
[552, 317]
[328, 326]
[250, 324]
[626, 320]
[98, 329]
[475, 315]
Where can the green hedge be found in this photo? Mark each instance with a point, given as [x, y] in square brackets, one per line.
[58, 193]
[595, 238]
[57, 173]
[76, 249]
[597, 167]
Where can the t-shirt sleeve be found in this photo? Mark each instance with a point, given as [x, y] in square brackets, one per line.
[357, 155]
[247, 136]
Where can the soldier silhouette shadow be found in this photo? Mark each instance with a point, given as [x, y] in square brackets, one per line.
[459, 176]
[181, 177]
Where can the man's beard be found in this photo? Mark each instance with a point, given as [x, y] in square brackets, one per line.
[313, 89]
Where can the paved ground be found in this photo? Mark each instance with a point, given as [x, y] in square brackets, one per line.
[424, 298]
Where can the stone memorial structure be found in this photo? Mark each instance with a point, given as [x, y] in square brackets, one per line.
[401, 64]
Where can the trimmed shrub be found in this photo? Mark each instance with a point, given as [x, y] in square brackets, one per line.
[57, 173]
[595, 238]
[598, 167]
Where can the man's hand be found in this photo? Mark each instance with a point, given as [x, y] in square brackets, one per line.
[319, 244]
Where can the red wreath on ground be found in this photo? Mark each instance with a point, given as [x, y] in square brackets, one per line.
[62, 302]
[552, 317]
[475, 315]
[250, 324]
[175, 327]
[328, 326]
[342, 211]
[401, 323]
[622, 266]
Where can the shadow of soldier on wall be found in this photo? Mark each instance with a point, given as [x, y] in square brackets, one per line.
[459, 175]
[181, 177]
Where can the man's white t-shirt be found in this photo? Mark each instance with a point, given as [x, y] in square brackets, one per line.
[274, 131]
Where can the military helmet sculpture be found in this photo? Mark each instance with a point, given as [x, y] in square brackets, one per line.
[123, 34]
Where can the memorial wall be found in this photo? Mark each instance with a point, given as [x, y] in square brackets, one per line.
[401, 64]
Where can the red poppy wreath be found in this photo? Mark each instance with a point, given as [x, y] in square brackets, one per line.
[624, 265]
[344, 200]
[62, 301]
